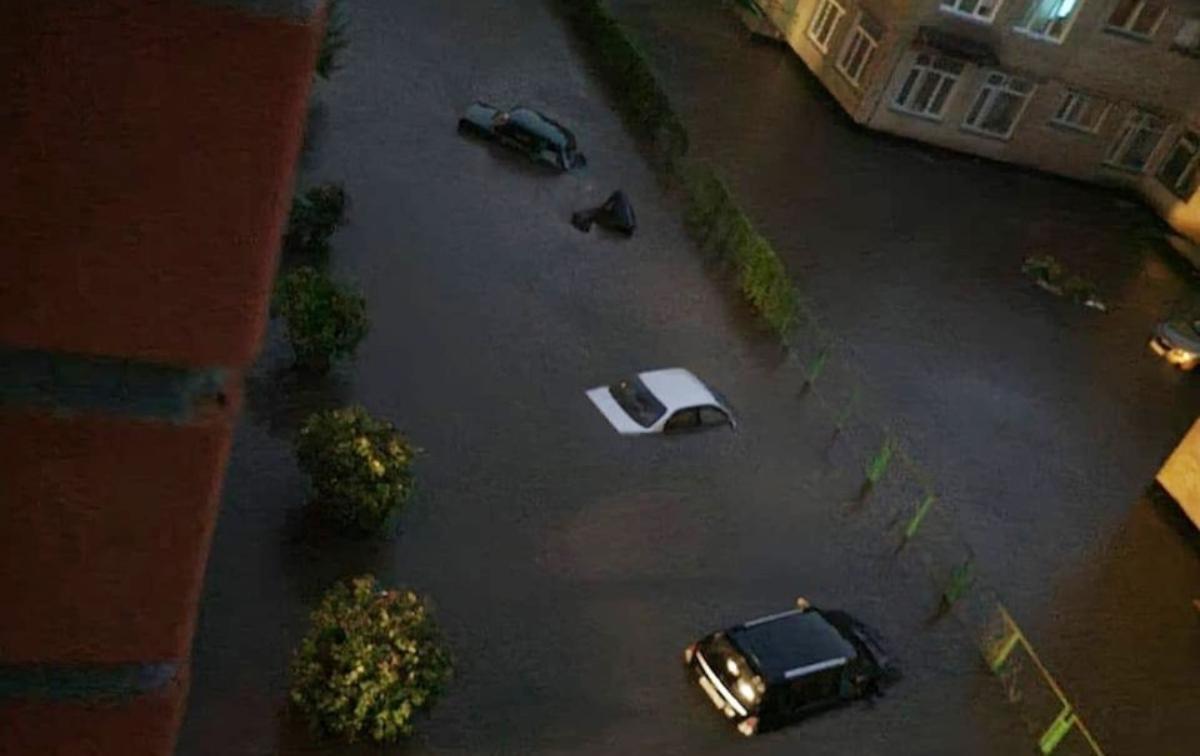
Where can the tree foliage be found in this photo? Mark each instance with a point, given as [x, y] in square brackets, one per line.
[372, 660]
[359, 467]
[324, 321]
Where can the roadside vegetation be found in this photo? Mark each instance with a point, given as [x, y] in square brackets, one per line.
[713, 216]
[371, 662]
[315, 216]
[324, 321]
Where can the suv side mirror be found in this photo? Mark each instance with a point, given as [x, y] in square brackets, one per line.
[802, 604]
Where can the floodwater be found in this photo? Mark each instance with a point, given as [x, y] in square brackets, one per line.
[569, 566]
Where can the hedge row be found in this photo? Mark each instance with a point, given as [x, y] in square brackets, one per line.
[719, 226]
[627, 73]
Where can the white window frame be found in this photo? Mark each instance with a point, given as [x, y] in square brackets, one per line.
[994, 84]
[825, 8]
[1076, 101]
[1136, 121]
[947, 80]
[1023, 26]
[1127, 27]
[953, 7]
[860, 35]
[1186, 182]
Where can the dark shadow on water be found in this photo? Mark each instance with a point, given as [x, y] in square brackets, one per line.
[280, 398]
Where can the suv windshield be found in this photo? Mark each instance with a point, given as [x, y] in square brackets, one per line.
[733, 670]
[637, 401]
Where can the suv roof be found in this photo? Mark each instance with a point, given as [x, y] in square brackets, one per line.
[791, 644]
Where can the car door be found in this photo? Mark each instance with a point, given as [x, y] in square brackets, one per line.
[683, 420]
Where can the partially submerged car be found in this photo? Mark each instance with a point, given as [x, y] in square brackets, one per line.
[1178, 343]
[661, 401]
[616, 214]
[778, 669]
[538, 136]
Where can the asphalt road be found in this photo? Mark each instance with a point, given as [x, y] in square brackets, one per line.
[568, 566]
[1040, 422]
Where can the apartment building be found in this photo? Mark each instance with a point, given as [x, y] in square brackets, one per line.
[1101, 90]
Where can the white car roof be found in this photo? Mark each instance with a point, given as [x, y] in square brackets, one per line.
[677, 388]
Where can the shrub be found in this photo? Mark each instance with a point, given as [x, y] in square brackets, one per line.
[314, 216]
[324, 321]
[717, 223]
[372, 659]
[333, 41]
[628, 75]
[1079, 289]
[358, 467]
[1045, 268]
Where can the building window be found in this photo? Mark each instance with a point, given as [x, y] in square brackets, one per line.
[1178, 172]
[1137, 17]
[1049, 19]
[928, 85]
[860, 48]
[984, 10]
[824, 21]
[1187, 41]
[998, 105]
[1081, 112]
[1136, 142]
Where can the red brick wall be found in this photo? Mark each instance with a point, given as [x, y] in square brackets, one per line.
[148, 150]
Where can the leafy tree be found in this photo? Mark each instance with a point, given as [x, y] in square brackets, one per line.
[324, 321]
[372, 660]
[358, 467]
[334, 40]
[314, 216]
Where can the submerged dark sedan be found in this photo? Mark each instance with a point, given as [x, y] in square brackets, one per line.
[538, 136]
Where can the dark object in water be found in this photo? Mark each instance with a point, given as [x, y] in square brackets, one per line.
[616, 214]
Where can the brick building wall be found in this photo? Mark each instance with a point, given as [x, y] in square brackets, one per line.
[149, 148]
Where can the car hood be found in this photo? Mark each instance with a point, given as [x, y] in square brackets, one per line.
[612, 411]
[481, 114]
[1179, 335]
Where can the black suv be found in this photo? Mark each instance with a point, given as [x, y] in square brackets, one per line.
[540, 137]
[775, 670]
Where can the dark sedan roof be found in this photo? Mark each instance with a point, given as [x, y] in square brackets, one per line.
[545, 127]
[788, 642]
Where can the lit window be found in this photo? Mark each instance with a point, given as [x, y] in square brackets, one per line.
[1137, 17]
[981, 9]
[928, 85]
[1080, 111]
[1178, 172]
[1049, 19]
[824, 22]
[1136, 142]
[1187, 40]
[998, 105]
[860, 48]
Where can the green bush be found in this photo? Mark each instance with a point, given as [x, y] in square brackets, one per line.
[324, 321]
[628, 75]
[372, 660]
[1045, 268]
[717, 224]
[358, 468]
[333, 41]
[314, 216]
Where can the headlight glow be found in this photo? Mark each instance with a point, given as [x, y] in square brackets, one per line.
[746, 691]
[732, 666]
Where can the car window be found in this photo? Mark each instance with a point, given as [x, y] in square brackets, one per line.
[685, 419]
[637, 401]
[816, 688]
[713, 416]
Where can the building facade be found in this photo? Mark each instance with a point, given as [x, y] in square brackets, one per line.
[1106, 91]
[149, 151]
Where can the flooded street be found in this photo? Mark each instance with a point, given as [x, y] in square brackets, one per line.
[569, 566]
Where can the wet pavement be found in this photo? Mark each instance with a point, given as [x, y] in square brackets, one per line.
[568, 566]
[1042, 422]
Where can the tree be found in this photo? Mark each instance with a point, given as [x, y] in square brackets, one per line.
[314, 216]
[358, 467]
[333, 41]
[372, 659]
[324, 321]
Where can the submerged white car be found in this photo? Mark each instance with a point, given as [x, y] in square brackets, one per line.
[661, 401]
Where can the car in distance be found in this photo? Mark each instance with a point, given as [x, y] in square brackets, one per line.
[1178, 343]
[661, 401]
[525, 130]
[778, 669]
